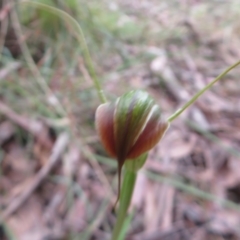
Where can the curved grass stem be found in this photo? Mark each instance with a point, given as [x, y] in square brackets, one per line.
[78, 33]
[125, 198]
[197, 95]
[30, 62]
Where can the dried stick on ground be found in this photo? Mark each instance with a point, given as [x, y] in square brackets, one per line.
[36, 128]
[57, 151]
[11, 67]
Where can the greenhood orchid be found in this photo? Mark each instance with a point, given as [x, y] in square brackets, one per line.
[130, 126]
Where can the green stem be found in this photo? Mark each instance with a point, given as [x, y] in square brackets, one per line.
[81, 39]
[125, 198]
[197, 95]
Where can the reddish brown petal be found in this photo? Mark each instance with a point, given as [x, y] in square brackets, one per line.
[150, 136]
[131, 113]
[104, 125]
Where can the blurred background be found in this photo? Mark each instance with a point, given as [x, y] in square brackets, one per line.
[56, 180]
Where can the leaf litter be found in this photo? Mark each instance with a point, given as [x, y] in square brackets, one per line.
[49, 188]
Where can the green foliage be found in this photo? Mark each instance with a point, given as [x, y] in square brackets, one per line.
[48, 23]
[116, 23]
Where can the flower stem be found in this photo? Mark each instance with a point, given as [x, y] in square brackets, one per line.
[125, 198]
[197, 95]
[78, 33]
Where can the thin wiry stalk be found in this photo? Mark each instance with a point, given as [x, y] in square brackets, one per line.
[197, 95]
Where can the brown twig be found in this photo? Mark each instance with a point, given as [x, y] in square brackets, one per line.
[57, 151]
[36, 128]
[9, 68]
